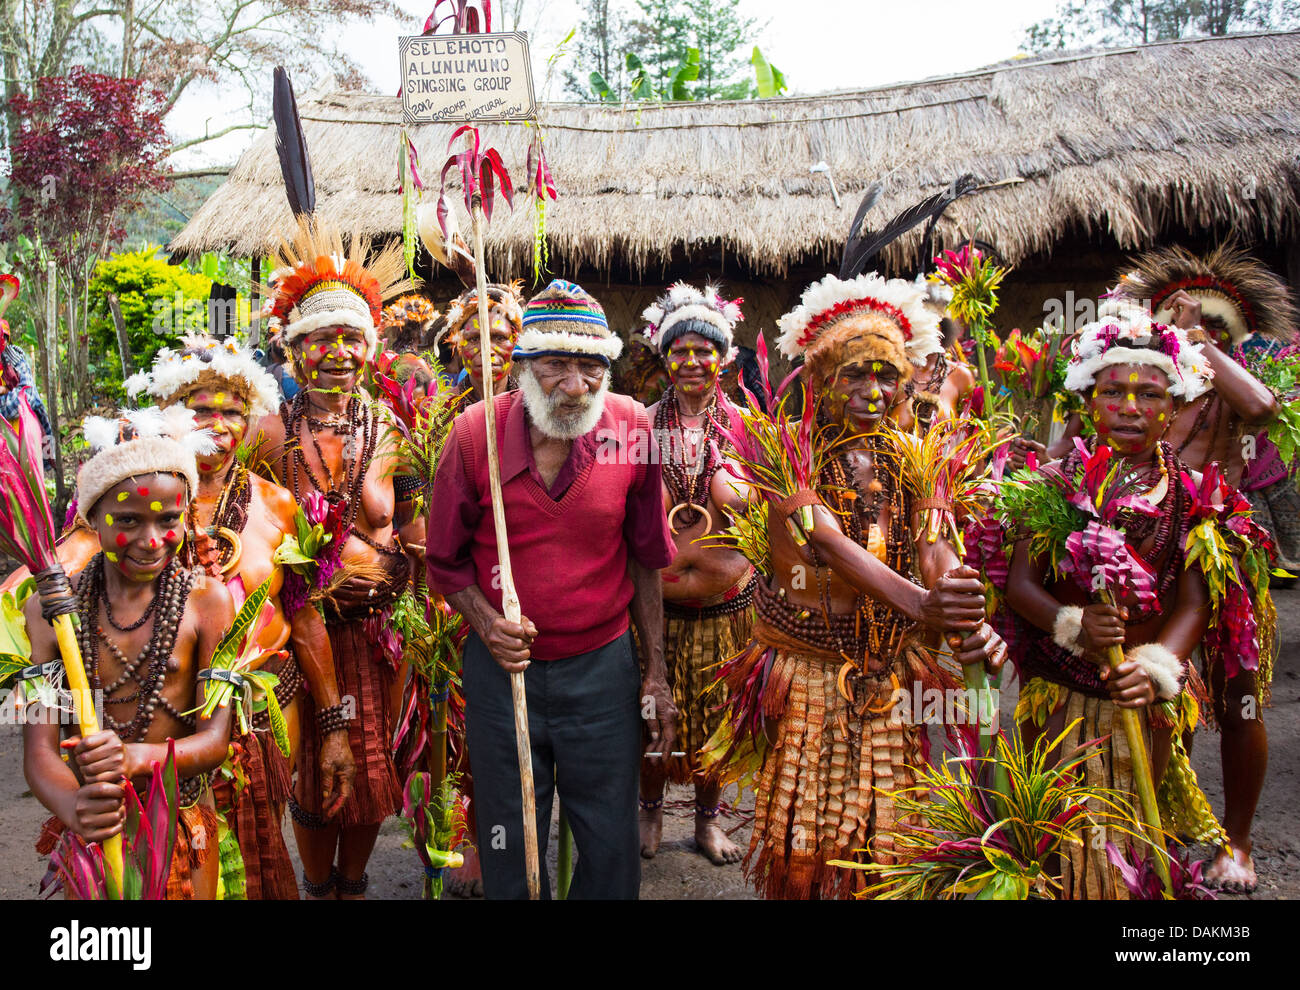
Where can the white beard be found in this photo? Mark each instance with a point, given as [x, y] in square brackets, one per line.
[541, 409]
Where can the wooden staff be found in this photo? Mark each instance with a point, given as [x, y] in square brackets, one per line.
[509, 598]
[1142, 776]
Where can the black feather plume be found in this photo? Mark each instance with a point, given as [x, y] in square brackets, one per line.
[861, 249]
[869, 199]
[291, 146]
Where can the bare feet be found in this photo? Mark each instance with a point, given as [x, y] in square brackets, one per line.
[1233, 874]
[712, 841]
[467, 881]
[652, 828]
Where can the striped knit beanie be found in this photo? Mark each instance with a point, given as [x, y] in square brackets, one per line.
[564, 320]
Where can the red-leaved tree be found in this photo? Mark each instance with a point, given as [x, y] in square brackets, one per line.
[87, 148]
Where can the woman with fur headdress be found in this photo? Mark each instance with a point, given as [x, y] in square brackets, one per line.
[708, 591]
[1223, 300]
[840, 623]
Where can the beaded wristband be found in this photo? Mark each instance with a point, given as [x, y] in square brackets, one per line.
[332, 719]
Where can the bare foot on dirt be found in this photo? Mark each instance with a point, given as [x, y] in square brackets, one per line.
[713, 842]
[1233, 874]
[652, 828]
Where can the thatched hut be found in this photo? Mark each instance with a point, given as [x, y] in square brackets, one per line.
[1094, 155]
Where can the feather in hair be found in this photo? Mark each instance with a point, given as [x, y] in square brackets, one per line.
[291, 146]
[860, 250]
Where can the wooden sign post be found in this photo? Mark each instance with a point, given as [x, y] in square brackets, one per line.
[466, 78]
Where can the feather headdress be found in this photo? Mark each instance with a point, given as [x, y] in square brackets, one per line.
[205, 362]
[1229, 283]
[808, 328]
[1125, 333]
[317, 283]
[139, 442]
[509, 297]
[686, 309]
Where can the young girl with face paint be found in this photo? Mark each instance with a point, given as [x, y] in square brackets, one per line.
[147, 629]
[1134, 375]
[707, 591]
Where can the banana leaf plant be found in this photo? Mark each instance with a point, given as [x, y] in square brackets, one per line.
[149, 841]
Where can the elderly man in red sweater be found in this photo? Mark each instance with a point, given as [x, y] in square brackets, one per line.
[587, 535]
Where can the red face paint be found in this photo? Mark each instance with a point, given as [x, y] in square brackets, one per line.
[121, 539]
[153, 544]
[171, 535]
[1111, 408]
[178, 501]
[143, 492]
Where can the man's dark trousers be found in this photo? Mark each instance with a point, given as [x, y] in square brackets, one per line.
[584, 724]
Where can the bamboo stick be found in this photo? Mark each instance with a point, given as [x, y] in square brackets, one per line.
[88, 720]
[1142, 777]
[509, 598]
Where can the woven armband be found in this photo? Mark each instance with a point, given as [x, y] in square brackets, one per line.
[406, 487]
[787, 507]
[232, 678]
[1161, 666]
[1067, 630]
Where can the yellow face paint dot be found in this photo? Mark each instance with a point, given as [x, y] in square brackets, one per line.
[871, 407]
[112, 557]
[1131, 397]
[156, 506]
[1133, 377]
[875, 365]
[1160, 418]
[221, 396]
[108, 518]
[121, 496]
[675, 365]
[1096, 417]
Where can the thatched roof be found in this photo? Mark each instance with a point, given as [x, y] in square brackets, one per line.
[1192, 135]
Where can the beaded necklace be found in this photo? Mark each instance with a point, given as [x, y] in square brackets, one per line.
[148, 670]
[1167, 530]
[360, 419]
[689, 487]
[859, 513]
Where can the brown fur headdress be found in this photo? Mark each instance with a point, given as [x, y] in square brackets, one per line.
[1229, 282]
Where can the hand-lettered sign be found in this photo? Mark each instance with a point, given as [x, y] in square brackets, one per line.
[466, 77]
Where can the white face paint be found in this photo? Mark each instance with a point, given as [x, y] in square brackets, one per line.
[544, 410]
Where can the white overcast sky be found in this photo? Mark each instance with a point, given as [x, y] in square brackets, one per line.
[819, 44]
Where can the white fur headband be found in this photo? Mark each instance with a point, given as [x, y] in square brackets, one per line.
[164, 441]
[174, 373]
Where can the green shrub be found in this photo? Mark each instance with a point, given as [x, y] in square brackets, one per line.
[159, 302]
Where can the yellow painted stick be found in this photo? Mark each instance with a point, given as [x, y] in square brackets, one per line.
[84, 705]
[1142, 777]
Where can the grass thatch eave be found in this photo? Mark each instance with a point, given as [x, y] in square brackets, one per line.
[1191, 135]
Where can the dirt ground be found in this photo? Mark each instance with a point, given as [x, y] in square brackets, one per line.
[679, 873]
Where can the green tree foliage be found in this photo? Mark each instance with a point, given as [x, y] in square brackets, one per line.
[721, 34]
[668, 50]
[159, 303]
[1084, 23]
